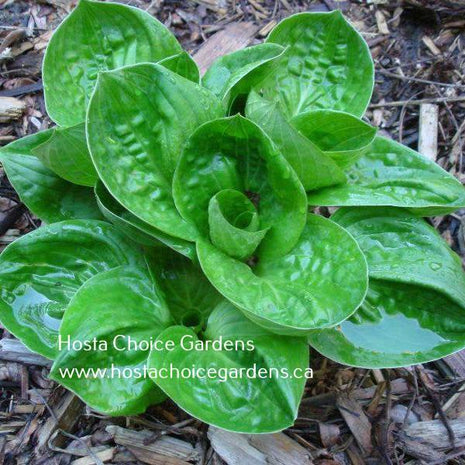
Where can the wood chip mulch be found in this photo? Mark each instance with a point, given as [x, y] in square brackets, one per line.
[348, 416]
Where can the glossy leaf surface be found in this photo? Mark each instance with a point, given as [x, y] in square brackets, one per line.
[114, 307]
[401, 248]
[234, 153]
[237, 72]
[138, 120]
[398, 325]
[314, 169]
[41, 271]
[391, 174]
[341, 136]
[135, 228]
[66, 154]
[234, 224]
[263, 404]
[190, 296]
[327, 65]
[319, 283]
[182, 64]
[47, 195]
[97, 37]
[414, 311]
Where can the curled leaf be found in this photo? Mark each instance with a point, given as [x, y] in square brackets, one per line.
[320, 282]
[341, 136]
[138, 121]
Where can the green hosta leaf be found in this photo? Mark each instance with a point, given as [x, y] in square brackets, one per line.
[327, 65]
[116, 308]
[413, 275]
[397, 325]
[234, 153]
[184, 65]
[261, 404]
[41, 271]
[135, 228]
[319, 283]
[138, 121]
[190, 296]
[66, 153]
[95, 37]
[341, 136]
[48, 196]
[401, 248]
[314, 169]
[234, 224]
[237, 72]
[393, 175]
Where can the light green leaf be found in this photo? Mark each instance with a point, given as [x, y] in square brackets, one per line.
[48, 196]
[190, 296]
[261, 404]
[184, 65]
[391, 174]
[327, 65]
[41, 271]
[314, 169]
[122, 309]
[415, 307]
[397, 325]
[138, 230]
[401, 248]
[138, 121]
[236, 73]
[234, 153]
[66, 154]
[318, 284]
[96, 37]
[234, 224]
[341, 136]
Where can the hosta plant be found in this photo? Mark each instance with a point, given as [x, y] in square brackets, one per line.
[181, 208]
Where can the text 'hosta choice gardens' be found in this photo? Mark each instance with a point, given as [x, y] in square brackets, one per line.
[179, 210]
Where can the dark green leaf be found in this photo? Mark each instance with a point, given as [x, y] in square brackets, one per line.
[48, 196]
[135, 228]
[341, 136]
[66, 154]
[190, 296]
[327, 65]
[391, 174]
[319, 283]
[96, 37]
[138, 121]
[120, 309]
[41, 271]
[261, 404]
